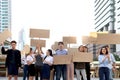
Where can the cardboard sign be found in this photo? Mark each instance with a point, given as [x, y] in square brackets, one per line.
[39, 33]
[35, 42]
[62, 59]
[95, 34]
[72, 50]
[69, 39]
[5, 35]
[108, 39]
[82, 57]
[88, 40]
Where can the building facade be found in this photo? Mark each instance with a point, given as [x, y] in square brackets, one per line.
[5, 15]
[104, 17]
[117, 22]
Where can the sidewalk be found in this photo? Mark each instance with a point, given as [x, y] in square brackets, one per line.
[20, 78]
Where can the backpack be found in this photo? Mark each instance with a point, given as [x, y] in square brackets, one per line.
[39, 61]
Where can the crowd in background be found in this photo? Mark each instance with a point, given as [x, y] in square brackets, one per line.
[38, 64]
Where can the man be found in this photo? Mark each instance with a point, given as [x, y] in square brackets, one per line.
[61, 69]
[112, 64]
[13, 60]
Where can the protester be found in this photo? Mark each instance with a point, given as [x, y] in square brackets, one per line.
[48, 62]
[39, 62]
[87, 65]
[13, 60]
[80, 66]
[25, 67]
[31, 64]
[61, 69]
[104, 62]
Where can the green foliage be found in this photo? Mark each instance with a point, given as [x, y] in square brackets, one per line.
[95, 59]
[117, 58]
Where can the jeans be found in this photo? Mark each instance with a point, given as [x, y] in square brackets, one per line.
[87, 68]
[25, 69]
[104, 73]
[83, 72]
[61, 69]
[111, 75]
[38, 71]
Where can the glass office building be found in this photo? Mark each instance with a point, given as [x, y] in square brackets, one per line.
[5, 15]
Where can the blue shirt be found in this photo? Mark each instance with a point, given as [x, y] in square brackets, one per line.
[112, 61]
[61, 52]
[104, 63]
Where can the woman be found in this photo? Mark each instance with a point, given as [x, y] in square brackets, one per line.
[80, 66]
[39, 62]
[31, 62]
[25, 67]
[87, 65]
[48, 61]
[104, 61]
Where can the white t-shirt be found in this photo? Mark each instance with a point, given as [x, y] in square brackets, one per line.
[49, 59]
[24, 60]
[30, 58]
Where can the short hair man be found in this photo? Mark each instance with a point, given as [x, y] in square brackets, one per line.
[61, 69]
[13, 60]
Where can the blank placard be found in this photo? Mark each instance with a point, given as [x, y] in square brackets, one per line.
[69, 39]
[5, 35]
[108, 39]
[82, 57]
[39, 33]
[35, 42]
[62, 59]
[88, 40]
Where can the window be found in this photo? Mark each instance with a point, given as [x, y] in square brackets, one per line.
[118, 1]
[4, 2]
[5, 26]
[4, 8]
[118, 8]
[4, 11]
[4, 23]
[4, 5]
[4, 14]
[118, 22]
[118, 15]
[4, 20]
[4, 17]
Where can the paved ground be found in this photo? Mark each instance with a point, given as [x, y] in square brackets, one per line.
[20, 78]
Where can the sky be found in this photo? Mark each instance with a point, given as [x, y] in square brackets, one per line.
[61, 17]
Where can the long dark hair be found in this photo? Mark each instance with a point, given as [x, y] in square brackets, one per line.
[50, 51]
[86, 48]
[105, 49]
[80, 47]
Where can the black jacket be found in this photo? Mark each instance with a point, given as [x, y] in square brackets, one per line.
[17, 57]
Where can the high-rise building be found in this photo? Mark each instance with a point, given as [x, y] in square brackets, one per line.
[5, 15]
[117, 22]
[104, 21]
[104, 15]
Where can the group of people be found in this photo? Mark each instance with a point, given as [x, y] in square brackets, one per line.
[37, 62]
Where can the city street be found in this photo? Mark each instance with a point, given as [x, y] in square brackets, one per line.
[20, 78]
